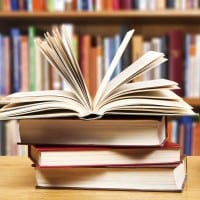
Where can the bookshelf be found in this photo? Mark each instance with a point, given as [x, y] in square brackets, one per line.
[168, 16]
[147, 23]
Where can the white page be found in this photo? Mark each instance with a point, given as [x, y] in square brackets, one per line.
[112, 66]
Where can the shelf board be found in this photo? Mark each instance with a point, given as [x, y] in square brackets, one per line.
[105, 17]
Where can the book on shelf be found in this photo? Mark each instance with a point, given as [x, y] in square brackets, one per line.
[167, 177]
[54, 156]
[145, 131]
[116, 96]
[15, 60]
[176, 58]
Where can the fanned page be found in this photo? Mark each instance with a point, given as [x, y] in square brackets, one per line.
[40, 104]
[152, 97]
[59, 54]
[112, 67]
[148, 61]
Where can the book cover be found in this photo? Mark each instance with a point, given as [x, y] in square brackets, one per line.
[7, 64]
[196, 139]
[24, 53]
[32, 64]
[176, 43]
[15, 60]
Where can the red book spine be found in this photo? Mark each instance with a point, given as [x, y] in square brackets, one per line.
[84, 60]
[176, 59]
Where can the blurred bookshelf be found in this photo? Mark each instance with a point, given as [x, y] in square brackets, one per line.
[148, 23]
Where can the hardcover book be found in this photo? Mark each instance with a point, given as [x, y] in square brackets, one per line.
[143, 131]
[52, 156]
[167, 177]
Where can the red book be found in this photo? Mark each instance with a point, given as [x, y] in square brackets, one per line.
[176, 58]
[39, 5]
[84, 57]
[125, 4]
[52, 156]
[196, 139]
[24, 63]
[7, 64]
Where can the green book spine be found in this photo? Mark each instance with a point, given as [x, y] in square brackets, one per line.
[32, 67]
[50, 5]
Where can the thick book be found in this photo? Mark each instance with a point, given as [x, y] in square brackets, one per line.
[119, 95]
[102, 132]
[169, 177]
[53, 156]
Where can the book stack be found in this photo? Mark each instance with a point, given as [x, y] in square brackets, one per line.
[116, 141]
[103, 154]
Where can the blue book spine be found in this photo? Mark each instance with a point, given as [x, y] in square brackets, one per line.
[14, 5]
[187, 122]
[15, 61]
[28, 5]
[187, 65]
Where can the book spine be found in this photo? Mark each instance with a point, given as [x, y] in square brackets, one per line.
[14, 5]
[7, 64]
[2, 80]
[176, 59]
[84, 52]
[196, 139]
[24, 64]
[15, 61]
[31, 36]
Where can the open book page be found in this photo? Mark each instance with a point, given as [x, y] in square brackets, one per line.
[62, 59]
[80, 78]
[151, 101]
[112, 67]
[134, 88]
[42, 104]
[148, 61]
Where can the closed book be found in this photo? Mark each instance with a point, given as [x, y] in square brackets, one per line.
[129, 132]
[7, 64]
[176, 41]
[146, 178]
[43, 155]
[38, 5]
[84, 57]
[15, 60]
[32, 62]
[196, 139]
[24, 53]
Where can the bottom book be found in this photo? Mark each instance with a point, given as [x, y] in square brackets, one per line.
[151, 178]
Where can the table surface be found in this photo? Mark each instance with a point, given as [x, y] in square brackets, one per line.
[17, 181]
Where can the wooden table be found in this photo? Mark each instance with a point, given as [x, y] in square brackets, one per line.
[17, 181]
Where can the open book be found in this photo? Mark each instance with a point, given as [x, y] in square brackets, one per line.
[117, 96]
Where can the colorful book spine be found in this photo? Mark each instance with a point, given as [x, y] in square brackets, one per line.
[15, 60]
[32, 78]
[176, 40]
